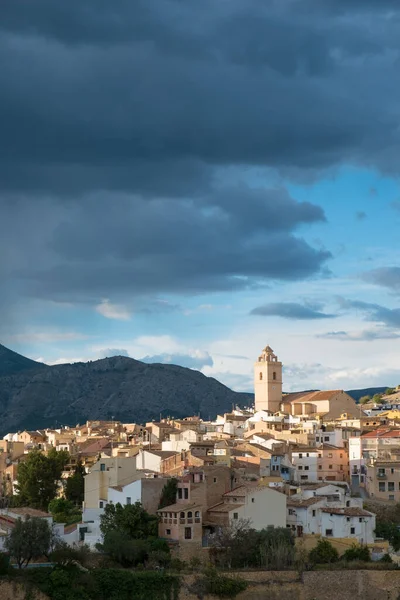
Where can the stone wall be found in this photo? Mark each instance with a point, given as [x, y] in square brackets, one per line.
[314, 585]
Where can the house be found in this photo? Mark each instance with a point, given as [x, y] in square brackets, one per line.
[160, 461]
[105, 473]
[382, 480]
[32, 438]
[305, 463]
[262, 506]
[329, 511]
[333, 463]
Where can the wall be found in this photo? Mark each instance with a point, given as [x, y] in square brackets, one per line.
[313, 585]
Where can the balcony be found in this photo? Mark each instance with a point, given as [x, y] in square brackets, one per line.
[381, 475]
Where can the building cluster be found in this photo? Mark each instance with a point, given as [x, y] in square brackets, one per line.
[305, 461]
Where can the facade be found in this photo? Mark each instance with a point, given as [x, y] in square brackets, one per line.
[268, 381]
[383, 479]
[333, 463]
[305, 463]
[105, 473]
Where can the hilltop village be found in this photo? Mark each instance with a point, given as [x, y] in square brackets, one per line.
[308, 462]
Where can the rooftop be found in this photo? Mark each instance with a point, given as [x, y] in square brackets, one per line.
[178, 507]
[348, 512]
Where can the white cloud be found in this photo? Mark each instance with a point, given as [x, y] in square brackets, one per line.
[113, 311]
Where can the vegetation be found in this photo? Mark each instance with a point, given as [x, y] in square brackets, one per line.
[378, 399]
[390, 532]
[70, 583]
[211, 582]
[168, 494]
[365, 399]
[387, 522]
[390, 391]
[64, 511]
[29, 540]
[130, 536]
[357, 552]
[39, 477]
[238, 546]
[323, 553]
[75, 485]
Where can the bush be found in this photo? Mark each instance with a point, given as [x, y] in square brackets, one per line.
[386, 558]
[323, 553]
[124, 550]
[357, 552]
[176, 564]
[4, 563]
[218, 585]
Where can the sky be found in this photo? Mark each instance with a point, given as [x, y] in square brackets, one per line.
[186, 182]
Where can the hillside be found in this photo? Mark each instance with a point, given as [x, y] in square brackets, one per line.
[34, 395]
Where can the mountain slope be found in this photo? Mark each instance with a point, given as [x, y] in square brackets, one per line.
[121, 387]
[11, 362]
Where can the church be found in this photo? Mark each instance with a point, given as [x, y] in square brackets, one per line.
[328, 404]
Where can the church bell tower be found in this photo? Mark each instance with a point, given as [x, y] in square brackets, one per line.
[268, 381]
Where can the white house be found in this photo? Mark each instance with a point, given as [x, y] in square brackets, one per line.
[349, 522]
[305, 463]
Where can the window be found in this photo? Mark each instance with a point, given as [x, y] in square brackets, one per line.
[300, 455]
[381, 472]
[128, 500]
[314, 512]
[347, 503]
[392, 470]
[382, 486]
[190, 515]
[326, 438]
[252, 500]
[341, 467]
[320, 467]
[328, 532]
[101, 504]
[168, 531]
[274, 376]
[306, 468]
[215, 480]
[330, 466]
[235, 515]
[307, 455]
[391, 496]
[352, 530]
[348, 519]
[317, 438]
[182, 515]
[390, 486]
[330, 455]
[291, 511]
[197, 514]
[360, 520]
[300, 468]
[102, 467]
[304, 477]
[180, 493]
[260, 376]
[186, 493]
[341, 455]
[188, 533]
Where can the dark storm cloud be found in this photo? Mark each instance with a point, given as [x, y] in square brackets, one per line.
[374, 312]
[367, 335]
[290, 310]
[388, 277]
[119, 121]
[93, 93]
[137, 246]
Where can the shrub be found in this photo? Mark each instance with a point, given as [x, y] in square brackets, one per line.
[386, 558]
[211, 582]
[357, 552]
[4, 563]
[323, 553]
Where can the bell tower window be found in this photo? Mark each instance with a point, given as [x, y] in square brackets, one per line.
[274, 375]
[261, 377]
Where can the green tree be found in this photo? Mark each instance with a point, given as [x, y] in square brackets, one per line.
[131, 519]
[75, 485]
[364, 399]
[168, 494]
[29, 539]
[123, 549]
[38, 479]
[390, 391]
[357, 552]
[323, 553]
[389, 531]
[64, 511]
[377, 399]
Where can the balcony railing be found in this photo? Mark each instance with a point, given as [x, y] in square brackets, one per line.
[381, 475]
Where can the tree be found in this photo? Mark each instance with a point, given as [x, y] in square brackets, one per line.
[168, 494]
[364, 399]
[64, 511]
[29, 539]
[75, 485]
[389, 531]
[357, 552]
[377, 399]
[38, 478]
[323, 553]
[130, 519]
[125, 550]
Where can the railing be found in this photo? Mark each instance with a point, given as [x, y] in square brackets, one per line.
[381, 475]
